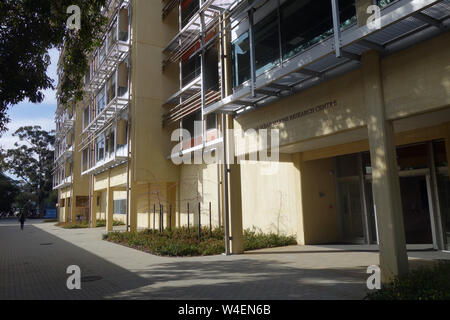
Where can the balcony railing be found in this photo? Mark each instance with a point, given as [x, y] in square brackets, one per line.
[64, 155]
[64, 183]
[110, 160]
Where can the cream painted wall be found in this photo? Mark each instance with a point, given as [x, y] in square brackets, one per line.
[348, 114]
[271, 202]
[198, 184]
[150, 88]
[417, 80]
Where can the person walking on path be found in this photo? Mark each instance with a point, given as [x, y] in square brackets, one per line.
[22, 220]
[26, 209]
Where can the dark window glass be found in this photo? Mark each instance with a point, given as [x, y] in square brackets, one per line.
[189, 11]
[211, 121]
[412, 157]
[347, 166]
[191, 69]
[305, 23]
[440, 154]
[384, 3]
[267, 43]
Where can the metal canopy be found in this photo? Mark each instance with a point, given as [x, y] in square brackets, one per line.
[404, 23]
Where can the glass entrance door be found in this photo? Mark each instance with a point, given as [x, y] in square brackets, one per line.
[351, 211]
[416, 210]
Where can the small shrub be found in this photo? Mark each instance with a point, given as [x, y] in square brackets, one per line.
[73, 225]
[421, 284]
[184, 242]
[102, 223]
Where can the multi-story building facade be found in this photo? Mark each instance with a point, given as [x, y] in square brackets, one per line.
[360, 102]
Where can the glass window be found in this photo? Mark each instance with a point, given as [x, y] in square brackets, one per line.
[86, 117]
[111, 89]
[189, 8]
[305, 23]
[120, 206]
[440, 155]
[191, 69]
[100, 149]
[348, 166]
[100, 100]
[267, 44]
[384, 3]
[123, 25]
[240, 50]
[412, 157]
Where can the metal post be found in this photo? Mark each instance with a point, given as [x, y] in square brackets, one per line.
[225, 181]
[154, 216]
[252, 52]
[203, 72]
[336, 27]
[199, 222]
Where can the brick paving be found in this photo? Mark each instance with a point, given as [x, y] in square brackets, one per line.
[33, 265]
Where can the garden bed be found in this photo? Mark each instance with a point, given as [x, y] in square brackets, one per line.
[425, 283]
[85, 224]
[183, 242]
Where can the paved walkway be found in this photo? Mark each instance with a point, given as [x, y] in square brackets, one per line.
[33, 265]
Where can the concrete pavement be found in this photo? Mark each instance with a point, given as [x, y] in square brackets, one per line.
[33, 265]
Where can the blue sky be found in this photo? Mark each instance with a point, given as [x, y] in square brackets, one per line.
[29, 114]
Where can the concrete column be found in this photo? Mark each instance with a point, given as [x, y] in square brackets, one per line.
[132, 204]
[235, 197]
[109, 206]
[361, 11]
[386, 186]
[94, 210]
[66, 209]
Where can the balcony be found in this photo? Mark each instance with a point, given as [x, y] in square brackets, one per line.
[64, 183]
[63, 156]
[115, 47]
[114, 159]
[403, 23]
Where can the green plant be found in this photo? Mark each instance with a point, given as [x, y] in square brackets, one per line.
[73, 225]
[185, 242]
[102, 223]
[422, 284]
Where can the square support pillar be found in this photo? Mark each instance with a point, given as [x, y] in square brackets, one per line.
[385, 179]
[94, 210]
[109, 206]
[132, 203]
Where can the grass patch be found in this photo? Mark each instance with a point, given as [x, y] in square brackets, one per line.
[425, 283]
[183, 242]
[85, 224]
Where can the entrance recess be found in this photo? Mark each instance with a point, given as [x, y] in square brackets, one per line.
[425, 195]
